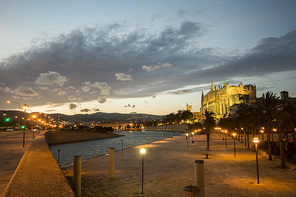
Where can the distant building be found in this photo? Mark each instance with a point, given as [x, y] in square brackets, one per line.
[196, 115]
[220, 100]
[285, 99]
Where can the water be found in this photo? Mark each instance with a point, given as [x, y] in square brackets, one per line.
[94, 148]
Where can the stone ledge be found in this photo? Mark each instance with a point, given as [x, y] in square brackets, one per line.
[38, 174]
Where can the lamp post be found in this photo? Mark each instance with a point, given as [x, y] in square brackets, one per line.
[25, 107]
[256, 141]
[143, 151]
[225, 137]
[187, 139]
[192, 134]
[223, 134]
[262, 134]
[234, 150]
[19, 116]
[34, 117]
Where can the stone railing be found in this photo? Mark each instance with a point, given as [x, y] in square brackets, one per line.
[38, 174]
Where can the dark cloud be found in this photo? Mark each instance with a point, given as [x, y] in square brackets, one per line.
[129, 105]
[270, 55]
[116, 61]
[85, 110]
[96, 109]
[73, 106]
[102, 100]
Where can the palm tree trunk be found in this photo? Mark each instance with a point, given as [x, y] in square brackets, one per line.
[282, 154]
[208, 139]
[245, 137]
[268, 143]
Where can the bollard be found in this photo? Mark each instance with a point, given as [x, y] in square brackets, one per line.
[77, 175]
[199, 177]
[111, 163]
[191, 191]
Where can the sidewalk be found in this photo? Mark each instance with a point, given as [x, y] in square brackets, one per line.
[12, 151]
[169, 167]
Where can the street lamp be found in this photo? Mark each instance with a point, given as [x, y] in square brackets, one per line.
[234, 150]
[192, 137]
[25, 107]
[143, 151]
[19, 116]
[187, 139]
[262, 134]
[256, 141]
[225, 137]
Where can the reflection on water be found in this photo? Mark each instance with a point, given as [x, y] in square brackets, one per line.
[90, 149]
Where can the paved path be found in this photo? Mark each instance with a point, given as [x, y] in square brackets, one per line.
[169, 167]
[12, 150]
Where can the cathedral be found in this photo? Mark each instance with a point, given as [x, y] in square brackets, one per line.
[221, 100]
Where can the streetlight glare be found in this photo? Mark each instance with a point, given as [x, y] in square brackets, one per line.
[8, 101]
[143, 151]
[234, 134]
[25, 106]
[256, 140]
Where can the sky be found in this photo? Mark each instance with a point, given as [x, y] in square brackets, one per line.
[152, 57]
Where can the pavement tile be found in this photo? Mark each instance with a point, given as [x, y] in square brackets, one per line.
[169, 167]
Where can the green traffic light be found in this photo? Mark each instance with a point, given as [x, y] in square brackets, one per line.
[22, 127]
[7, 119]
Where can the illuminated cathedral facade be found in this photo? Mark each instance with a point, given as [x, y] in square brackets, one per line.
[221, 100]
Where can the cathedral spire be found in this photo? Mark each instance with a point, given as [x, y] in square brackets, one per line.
[212, 88]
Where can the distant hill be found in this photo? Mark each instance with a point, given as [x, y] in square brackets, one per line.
[97, 117]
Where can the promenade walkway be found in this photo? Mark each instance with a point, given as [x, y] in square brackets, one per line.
[169, 167]
[11, 146]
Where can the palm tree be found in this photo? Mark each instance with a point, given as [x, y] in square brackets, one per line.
[209, 122]
[244, 116]
[282, 118]
[269, 104]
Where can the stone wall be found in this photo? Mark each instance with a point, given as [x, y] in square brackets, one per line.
[62, 137]
[173, 128]
[38, 174]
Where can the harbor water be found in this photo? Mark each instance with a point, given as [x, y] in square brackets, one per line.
[94, 148]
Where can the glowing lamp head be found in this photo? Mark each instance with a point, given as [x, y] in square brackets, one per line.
[225, 131]
[233, 134]
[192, 133]
[256, 140]
[187, 134]
[8, 101]
[262, 131]
[143, 151]
[25, 106]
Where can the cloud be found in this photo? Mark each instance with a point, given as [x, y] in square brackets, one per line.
[22, 91]
[179, 92]
[102, 100]
[51, 78]
[157, 66]
[269, 56]
[102, 86]
[92, 63]
[96, 109]
[85, 110]
[123, 77]
[73, 106]
[129, 105]
[120, 92]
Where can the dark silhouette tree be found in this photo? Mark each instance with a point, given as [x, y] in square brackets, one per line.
[269, 104]
[209, 122]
